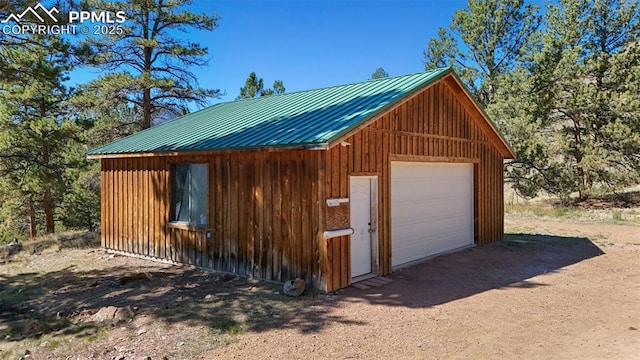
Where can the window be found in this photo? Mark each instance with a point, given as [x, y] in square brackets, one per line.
[189, 194]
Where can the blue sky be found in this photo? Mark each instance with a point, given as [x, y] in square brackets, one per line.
[309, 44]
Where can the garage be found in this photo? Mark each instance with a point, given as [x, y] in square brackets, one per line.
[330, 185]
[431, 209]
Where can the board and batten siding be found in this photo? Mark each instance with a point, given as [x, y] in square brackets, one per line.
[264, 213]
[267, 209]
[438, 123]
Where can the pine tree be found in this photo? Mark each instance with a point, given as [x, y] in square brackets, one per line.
[379, 73]
[35, 133]
[148, 65]
[483, 42]
[593, 76]
[254, 87]
[565, 94]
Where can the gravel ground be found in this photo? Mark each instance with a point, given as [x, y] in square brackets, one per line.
[560, 290]
[553, 289]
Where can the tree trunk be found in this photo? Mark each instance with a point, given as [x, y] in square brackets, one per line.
[89, 222]
[33, 230]
[146, 93]
[146, 108]
[47, 201]
[48, 212]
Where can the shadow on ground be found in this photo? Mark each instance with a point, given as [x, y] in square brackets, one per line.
[510, 263]
[64, 302]
[60, 302]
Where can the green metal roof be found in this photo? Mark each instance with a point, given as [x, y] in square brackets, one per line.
[307, 119]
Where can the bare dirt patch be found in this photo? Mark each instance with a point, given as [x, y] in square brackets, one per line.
[550, 290]
[89, 304]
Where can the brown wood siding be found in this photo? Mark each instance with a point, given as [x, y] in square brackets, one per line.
[267, 210]
[264, 218]
[433, 125]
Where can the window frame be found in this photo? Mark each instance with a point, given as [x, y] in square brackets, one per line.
[203, 195]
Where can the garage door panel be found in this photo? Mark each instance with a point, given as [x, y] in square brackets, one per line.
[452, 234]
[444, 208]
[413, 224]
[407, 188]
[432, 207]
[414, 248]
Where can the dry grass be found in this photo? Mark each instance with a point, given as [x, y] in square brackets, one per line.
[542, 209]
[49, 294]
[621, 208]
[66, 240]
[52, 243]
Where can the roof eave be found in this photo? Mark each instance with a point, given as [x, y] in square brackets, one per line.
[174, 153]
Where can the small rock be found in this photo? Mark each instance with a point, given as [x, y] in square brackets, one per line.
[112, 313]
[104, 314]
[209, 297]
[124, 313]
[633, 328]
[14, 247]
[294, 287]
[141, 331]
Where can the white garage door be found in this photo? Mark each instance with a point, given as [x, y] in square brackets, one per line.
[431, 209]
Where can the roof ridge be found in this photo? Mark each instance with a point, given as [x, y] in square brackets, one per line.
[434, 70]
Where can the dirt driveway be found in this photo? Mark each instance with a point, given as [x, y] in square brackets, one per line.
[570, 292]
[551, 290]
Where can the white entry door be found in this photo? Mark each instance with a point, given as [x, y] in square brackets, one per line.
[363, 201]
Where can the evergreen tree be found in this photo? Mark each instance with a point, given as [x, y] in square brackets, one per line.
[148, 64]
[35, 134]
[565, 95]
[80, 206]
[278, 88]
[484, 42]
[590, 70]
[254, 87]
[379, 73]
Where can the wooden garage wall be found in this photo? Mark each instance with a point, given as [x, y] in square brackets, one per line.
[433, 123]
[264, 213]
